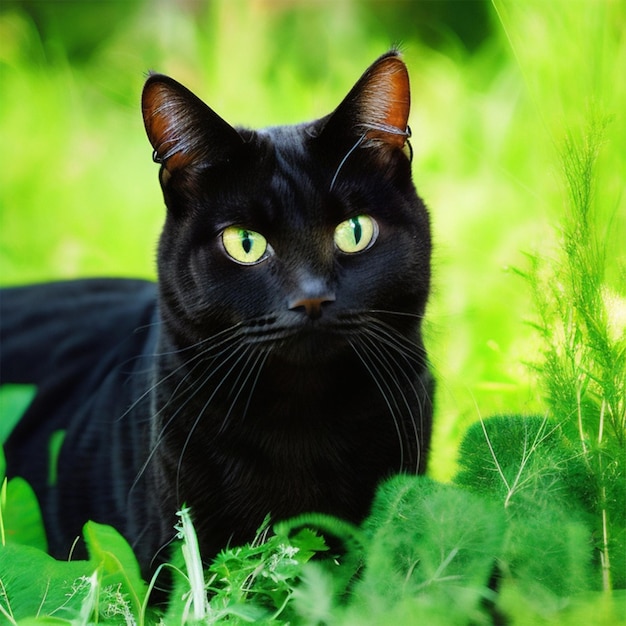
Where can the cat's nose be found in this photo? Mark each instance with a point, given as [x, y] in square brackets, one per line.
[310, 295]
[311, 306]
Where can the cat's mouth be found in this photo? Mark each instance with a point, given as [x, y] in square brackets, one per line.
[306, 342]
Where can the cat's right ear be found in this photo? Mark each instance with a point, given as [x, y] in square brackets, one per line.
[183, 131]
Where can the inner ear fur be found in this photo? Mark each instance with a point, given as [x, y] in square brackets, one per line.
[376, 109]
[182, 129]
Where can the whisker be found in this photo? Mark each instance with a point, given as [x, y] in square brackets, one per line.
[264, 358]
[240, 387]
[175, 371]
[391, 379]
[418, 316]
[413, 357]
[389, 347]
[345, 158]
[239, 348]
[390, 337]
[417, 368]
[375, 375]
[188, 398]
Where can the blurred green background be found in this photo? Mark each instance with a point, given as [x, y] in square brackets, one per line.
[495, 91]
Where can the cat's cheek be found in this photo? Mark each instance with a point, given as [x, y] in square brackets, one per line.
[203, 271]
[226, 290]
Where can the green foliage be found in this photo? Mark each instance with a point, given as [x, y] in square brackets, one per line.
[585, 357]
[35, 588]
[20, 516]
[106, 589]
[525, 463]
[245, 583]
[547, 493]
[14, 400]
[33, 584]
[579, 292]
[432, 549]
[117, 567]
[429, 552]
[54, 449]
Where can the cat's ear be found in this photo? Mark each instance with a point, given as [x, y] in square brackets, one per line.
[376, 111]
[182, 129]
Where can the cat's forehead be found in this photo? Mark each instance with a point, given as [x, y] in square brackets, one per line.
[288, 141]
[285, 158]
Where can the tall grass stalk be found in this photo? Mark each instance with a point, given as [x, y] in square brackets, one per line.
[193, 565]
[585, 361]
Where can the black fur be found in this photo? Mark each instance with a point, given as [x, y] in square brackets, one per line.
[295, 384]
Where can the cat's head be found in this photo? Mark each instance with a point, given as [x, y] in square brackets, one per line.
[299, 235]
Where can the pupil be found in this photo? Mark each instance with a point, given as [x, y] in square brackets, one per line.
[356, 229]
[246, 241]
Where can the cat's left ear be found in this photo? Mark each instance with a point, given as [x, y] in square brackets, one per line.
[376, 111]
[182, 129]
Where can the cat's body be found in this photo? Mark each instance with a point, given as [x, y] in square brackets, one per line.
[81, 343]
[280, 368]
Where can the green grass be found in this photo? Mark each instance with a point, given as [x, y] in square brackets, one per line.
[519, 153]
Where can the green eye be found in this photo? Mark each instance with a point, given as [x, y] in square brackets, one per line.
[244, 246]
[356, 234]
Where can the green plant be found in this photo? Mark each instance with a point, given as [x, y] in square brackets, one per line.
[579, 292]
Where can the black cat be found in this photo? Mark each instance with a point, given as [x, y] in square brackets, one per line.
[278, 366]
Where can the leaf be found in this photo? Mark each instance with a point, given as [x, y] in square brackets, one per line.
[336, 543]
[14, 400]
[54, 450]
[116, 562]
[315, 595]
[431, 544]
[46, 621]
[21, 516]
[193, 564]
[547, 553]
[525, 462]
[546, 492]
[308, 543]
[34, 584]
